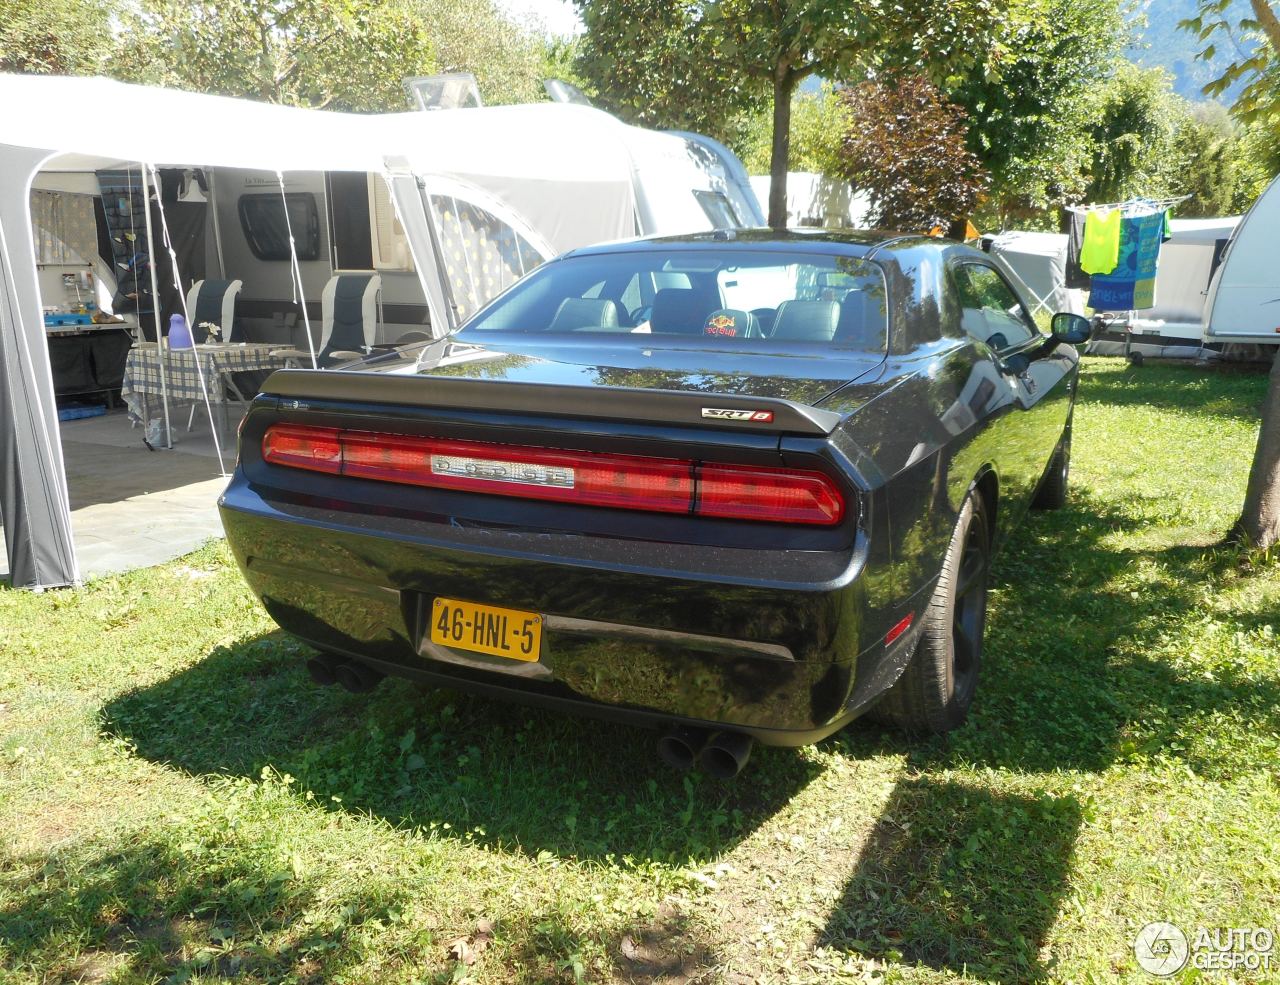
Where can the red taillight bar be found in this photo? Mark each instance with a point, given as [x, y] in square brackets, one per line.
[665, 485]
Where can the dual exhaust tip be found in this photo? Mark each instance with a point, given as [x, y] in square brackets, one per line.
[356, 677]
[720, 755]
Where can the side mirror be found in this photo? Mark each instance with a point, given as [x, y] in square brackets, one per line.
[1069, 328]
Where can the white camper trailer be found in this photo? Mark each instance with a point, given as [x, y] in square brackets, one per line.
[438, 212]
[1244, 299]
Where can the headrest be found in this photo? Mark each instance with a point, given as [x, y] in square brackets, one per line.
[862, 322]
[807, 321]
[732, 324]
[351, 287]
[575, 314]
[679, 310]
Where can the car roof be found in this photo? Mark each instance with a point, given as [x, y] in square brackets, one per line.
[845, 242]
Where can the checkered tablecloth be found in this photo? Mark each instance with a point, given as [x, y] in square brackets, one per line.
[216, 362]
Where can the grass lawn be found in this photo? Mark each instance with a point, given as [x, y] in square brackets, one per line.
[179, 803]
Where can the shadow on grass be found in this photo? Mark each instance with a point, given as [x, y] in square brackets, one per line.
[959, 878]
[218, 905]
[491, 772]
[155, 910]
[1073, 674]
[1222, 389]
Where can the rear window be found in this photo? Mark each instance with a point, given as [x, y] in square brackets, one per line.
[755, 299]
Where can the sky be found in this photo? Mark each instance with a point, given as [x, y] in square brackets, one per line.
[558, 16]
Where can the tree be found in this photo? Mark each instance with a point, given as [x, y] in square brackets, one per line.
[1259, 101]
[1255, 43]
[341, 54]
[1134, 139]
[509, 60]
[57, 37]
[1030, 111]
[906, 147]
[653, 63]
[819, 121]
[1259, 523]
[705, 54]
[1213, 163]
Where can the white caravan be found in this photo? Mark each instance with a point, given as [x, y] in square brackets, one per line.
[1244, 298]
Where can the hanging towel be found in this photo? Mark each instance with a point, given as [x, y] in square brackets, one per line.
[1131, 286]
[1075, 276]
[1101, 250]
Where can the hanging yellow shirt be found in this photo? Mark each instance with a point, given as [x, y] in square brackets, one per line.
[1100, 251]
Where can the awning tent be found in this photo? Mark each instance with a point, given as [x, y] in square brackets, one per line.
[1040, 261]
[564, 169]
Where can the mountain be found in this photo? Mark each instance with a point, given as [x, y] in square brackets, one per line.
[1162, 43]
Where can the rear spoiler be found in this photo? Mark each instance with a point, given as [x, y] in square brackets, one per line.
[730, 412]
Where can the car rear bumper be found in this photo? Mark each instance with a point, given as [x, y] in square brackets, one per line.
[656, 635]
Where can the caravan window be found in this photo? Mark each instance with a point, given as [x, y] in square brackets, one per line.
[718, 210]
[262, 218]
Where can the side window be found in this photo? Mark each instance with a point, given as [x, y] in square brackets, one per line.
[717, 209]
[262, 217]
[989, 309]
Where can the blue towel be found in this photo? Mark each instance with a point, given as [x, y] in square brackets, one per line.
[1132, 285]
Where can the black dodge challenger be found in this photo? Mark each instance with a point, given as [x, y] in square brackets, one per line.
[732, 487]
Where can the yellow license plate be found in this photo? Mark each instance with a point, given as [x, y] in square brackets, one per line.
[486, 629]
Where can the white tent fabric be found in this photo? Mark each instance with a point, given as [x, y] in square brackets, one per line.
[1040, 262]
[565, 169]
[1244, 302]
[1182, 278]
[817, 200]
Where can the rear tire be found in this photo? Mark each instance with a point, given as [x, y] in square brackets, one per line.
[936, 689]
[1052, 494]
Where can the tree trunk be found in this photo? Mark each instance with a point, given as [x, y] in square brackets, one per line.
[1266, 17]
[1259, 523]
[784, 84]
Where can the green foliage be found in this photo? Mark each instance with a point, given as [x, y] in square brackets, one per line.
[509, 60]
[1213, 164]
[1252, 45]
[57, 37]
[1135, 139]
[341, 54]
[1030, 110]
[657, 64]
[700, 64]
[906, 147]
[819, 121]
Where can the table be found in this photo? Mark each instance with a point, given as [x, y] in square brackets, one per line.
[217, 363]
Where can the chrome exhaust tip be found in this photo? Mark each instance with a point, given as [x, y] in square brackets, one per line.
[679, 749]
[357, 677]
[725, 754]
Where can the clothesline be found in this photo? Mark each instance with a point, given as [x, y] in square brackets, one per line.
[1129, 206]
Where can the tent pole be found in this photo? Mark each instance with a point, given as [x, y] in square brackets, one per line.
[217, 226]
[155, 304]
[195, 350]
[300, 292]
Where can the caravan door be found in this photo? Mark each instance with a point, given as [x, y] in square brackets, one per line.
[1244, 297]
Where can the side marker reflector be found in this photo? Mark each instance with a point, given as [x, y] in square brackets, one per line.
[903, 625]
